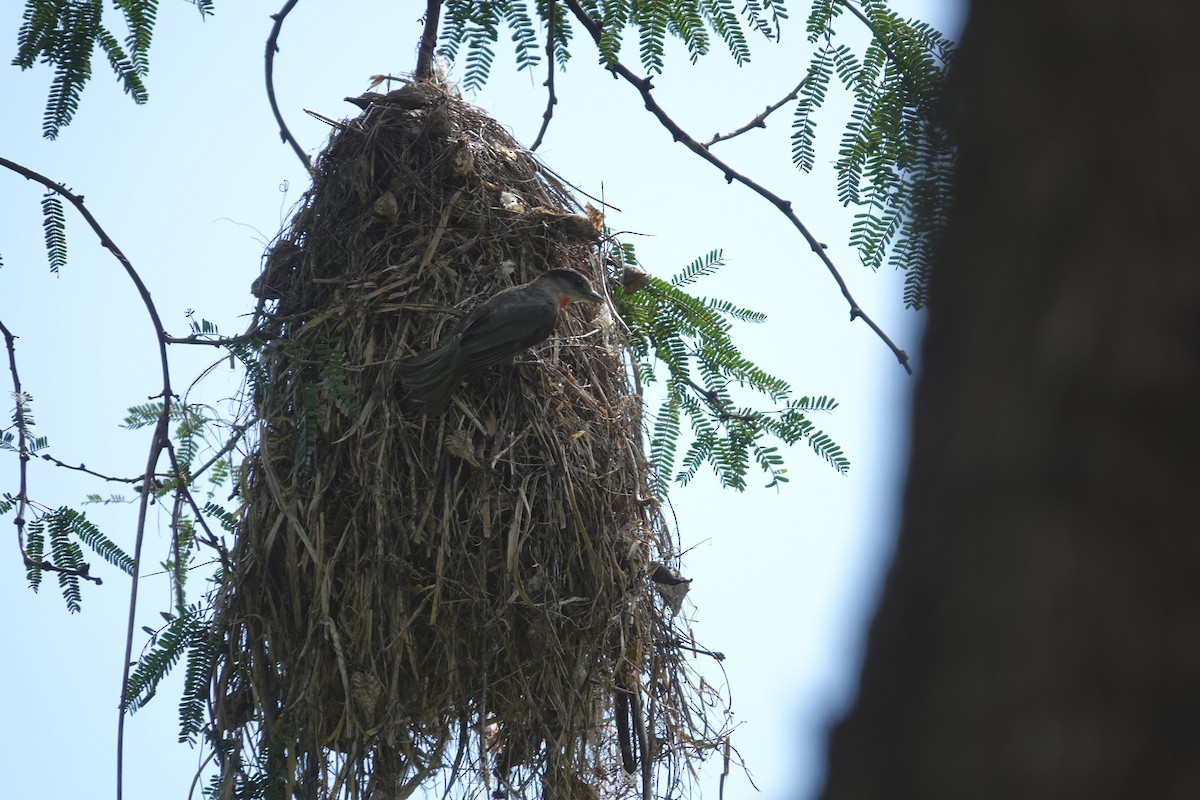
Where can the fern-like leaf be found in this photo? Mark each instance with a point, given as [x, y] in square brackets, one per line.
[894, 158]
[35, 547]
[166, 648]
[54, 225]
[78, 525]
[64, 34]
[66, 555]
[690, 338]
[201, 654]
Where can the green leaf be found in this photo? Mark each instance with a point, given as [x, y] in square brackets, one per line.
[164, 653]
[55, 226]
[690, 338]
[64, 34]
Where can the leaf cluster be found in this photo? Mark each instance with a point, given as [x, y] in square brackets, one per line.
[473, 27]
[54, 226]
[895, 158]
[691, 337]
[65, 34]
[63, 529]
[186, 635]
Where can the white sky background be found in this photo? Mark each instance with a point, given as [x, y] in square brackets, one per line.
[189, 187]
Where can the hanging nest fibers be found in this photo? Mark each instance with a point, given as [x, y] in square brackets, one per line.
[472, 599]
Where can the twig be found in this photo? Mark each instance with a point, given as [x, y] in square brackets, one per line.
[566, 182]
[761, 120]
[183, 484]
[433, 13]
[552, 99]
[714, 402]
[219, 341]
[273, 48]
[180, 606]
[716, 655]
[10, 342]
[856, 11]
[644, 87]
[23, 454]
[81, 468]
[333, 123]
[238, 432]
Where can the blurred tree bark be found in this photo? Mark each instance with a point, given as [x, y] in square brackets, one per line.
[1039, 633]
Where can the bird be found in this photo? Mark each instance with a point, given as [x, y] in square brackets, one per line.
[502, 326]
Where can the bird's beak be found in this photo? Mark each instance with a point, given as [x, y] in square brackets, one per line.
[592, 297]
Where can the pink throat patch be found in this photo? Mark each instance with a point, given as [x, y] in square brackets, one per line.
[563, 301]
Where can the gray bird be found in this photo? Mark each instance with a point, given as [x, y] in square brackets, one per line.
[501, 327]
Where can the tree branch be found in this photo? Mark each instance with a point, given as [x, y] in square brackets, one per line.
[10, 343]
[644, 87]
[160, 441]
[856, 11]
[82, 468]
[273, 48]
[552, 99]
[220, 341]
[426, 49]
[761, 120]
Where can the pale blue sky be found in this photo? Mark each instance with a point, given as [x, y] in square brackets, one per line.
[190, 186]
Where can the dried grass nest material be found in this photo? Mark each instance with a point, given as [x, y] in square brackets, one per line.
[466, 597]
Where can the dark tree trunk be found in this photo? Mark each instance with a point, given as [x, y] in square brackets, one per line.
[1039, 633]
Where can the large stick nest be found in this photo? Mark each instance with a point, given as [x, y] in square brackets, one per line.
[467, 597]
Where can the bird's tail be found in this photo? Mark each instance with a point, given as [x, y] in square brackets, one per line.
[431, 377]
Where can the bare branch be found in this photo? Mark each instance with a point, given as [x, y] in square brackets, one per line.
[425, 51]
[273, 48]
[219, 341]
[644, 87]
[761, 120]
[552, 98]
[82, 468]
[10, 342]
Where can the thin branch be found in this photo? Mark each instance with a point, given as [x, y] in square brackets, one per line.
[239, 432]
[180, 606]
[552, 98]
[219, 341]
[273, 48]
[856, 11]
[10, 343]
[761, 120]
[425, 51]
[183, 490]
[81, 468]
[644, 87]
[716, 655]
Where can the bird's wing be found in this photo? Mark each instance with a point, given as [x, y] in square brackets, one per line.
[505, 325]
